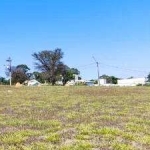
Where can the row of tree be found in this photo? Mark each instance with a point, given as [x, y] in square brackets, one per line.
[50, 69]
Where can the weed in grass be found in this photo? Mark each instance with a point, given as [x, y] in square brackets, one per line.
[122, 146]
[44, 124]
[108, 130]
[145, 140]
[136, 127]
[53, 138]
[12, 138]
[85, 129]
[129, 136]
[83, 137]
[73, 115]
[38, 146]
[12, 121]
[12, 147]
[17, 137]
[41, 146]
[78, 146]
[108, 118]
[53, 126]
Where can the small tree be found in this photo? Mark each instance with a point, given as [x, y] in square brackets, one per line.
[19, 73]
[67, 75]
[18, 76]
[3, 81]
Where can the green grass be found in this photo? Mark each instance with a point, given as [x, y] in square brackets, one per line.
[74, 118]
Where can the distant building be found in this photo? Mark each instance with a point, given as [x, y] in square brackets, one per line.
[33, 83]
[132, 82]
[70, 83]
[59, 83]
[76, 77]
[102, 81]
[89, 83]
[124, 82]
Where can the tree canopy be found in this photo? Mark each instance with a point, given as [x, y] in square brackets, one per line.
[50, 63]
[52, 68]
[19, 73]
[148, 77]
[23, 67]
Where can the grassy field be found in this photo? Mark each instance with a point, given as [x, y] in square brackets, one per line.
[74, 118]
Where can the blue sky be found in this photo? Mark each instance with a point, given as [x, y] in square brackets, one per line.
[115, 32]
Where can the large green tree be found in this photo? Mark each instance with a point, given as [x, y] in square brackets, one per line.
[68, 74]
[50, 63]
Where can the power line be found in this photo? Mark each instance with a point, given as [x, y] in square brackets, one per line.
[83, 66]
[88, 66]
[122, 68]
[112, 66]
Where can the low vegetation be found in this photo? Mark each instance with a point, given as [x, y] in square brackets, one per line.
[74, 118]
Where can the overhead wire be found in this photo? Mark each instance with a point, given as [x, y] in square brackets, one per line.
[81, 67]
[85, 66]
[123, 68]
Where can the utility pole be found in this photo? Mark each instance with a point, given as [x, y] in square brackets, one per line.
[97, 64]
[9, 60]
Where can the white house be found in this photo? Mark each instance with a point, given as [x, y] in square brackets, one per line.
[33, 83]
[102, 81]
[131, 82]
[124, 82]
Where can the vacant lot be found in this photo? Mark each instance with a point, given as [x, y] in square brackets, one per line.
[74, 118]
